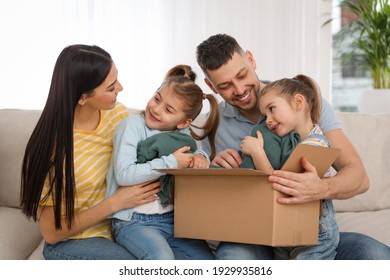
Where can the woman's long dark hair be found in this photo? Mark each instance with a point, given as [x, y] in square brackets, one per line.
[49, 152]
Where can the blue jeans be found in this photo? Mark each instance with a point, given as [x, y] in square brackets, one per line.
[150, 237]
[241, 251]
[352, 246]
[96, 248]
[357, 246]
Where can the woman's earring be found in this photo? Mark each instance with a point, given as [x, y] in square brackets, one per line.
[82, 100]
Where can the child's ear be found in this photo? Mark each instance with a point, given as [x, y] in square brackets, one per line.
[299, 100]
[184, 124]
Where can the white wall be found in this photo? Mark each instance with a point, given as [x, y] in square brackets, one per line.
[147, 37]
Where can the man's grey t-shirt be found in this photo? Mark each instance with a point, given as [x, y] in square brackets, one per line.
[233, 127]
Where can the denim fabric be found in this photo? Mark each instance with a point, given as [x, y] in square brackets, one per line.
[150, 237]
[97, 248]
[352, 246]
[328, 240]
[357, 246]
[240, 251]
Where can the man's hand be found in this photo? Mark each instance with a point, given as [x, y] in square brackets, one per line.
[300, 187]
[227, 159]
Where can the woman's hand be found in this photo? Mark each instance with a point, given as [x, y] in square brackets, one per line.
[125, 197]
[132, 196]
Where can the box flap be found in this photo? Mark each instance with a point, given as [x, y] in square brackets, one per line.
[322, 158]
[213, 171]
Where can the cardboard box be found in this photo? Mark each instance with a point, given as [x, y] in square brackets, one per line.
[239, 205]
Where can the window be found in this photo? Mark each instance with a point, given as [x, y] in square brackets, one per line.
[349, 79]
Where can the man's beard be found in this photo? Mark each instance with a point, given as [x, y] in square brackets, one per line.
[254, 104]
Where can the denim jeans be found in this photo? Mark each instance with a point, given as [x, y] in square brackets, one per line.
[328, 239]
[241, 251]
[352, 246]
[96, 248]
[357, 246]
[150, 237]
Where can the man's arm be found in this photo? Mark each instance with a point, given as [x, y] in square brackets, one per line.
[351, 178]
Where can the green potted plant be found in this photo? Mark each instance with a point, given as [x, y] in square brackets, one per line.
[368, 38]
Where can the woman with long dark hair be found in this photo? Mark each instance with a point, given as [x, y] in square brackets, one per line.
[67, 157]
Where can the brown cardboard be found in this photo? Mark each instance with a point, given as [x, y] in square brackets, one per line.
[239, 205]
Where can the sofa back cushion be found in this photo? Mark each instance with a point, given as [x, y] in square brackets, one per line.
[15, 129]
[369, 133]
[16, 126]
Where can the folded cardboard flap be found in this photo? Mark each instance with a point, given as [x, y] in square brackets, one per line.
[322, 158]
[239, 205]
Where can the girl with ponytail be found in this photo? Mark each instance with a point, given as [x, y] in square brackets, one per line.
[291, 108]
[160, 137]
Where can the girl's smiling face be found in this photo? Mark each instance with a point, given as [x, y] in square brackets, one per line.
[165, 111]
[281, 117]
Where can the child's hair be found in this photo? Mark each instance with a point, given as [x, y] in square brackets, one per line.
[181, 79]
[299, 84]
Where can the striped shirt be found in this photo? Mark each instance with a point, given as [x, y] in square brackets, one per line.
[317, 138]
[92, 155]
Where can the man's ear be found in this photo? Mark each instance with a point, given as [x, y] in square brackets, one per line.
[299, 101]
[207, 81]
[184, 124]
[83, 99]
[251, 59]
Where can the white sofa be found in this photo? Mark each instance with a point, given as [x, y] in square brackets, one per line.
[368, 213]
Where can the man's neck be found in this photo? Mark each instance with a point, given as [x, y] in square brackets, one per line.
[252, 115]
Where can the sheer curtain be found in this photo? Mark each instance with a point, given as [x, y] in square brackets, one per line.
[147, 37]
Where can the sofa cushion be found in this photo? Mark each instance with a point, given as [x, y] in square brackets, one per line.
[19, 236]
[37, 254]
[16, 128]
[369, 134]
[372, 223]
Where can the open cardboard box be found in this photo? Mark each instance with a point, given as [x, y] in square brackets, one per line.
[239, 205]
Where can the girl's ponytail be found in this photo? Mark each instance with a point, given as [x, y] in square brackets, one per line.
[210, 126]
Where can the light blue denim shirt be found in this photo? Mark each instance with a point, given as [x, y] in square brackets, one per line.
[124, 169]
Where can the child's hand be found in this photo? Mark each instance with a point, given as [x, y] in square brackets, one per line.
[183, 158]
[199, 161]
[251, 145]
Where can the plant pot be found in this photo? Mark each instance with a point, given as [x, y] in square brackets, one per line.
[374, 101]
